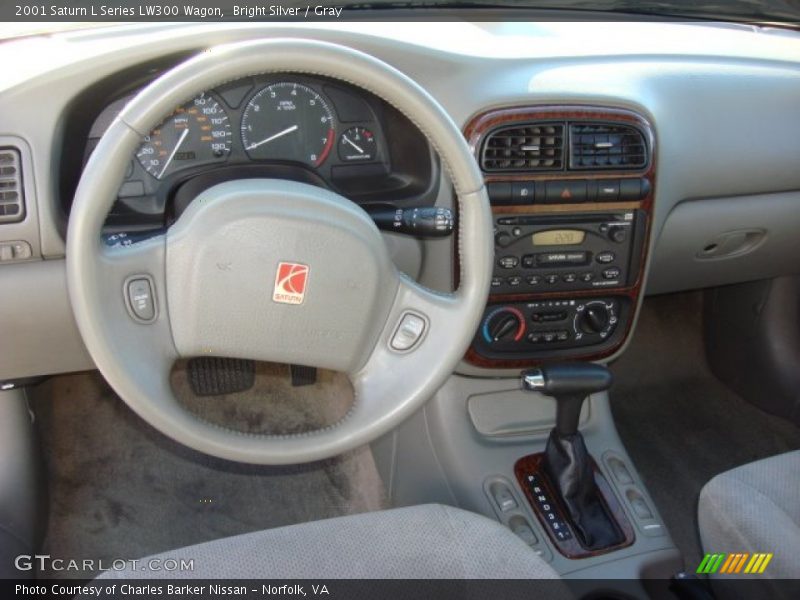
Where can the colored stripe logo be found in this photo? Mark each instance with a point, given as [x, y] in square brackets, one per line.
[735, 563]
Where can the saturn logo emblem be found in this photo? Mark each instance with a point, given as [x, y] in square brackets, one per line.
[291, 280]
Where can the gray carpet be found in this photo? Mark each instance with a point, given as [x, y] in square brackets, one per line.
[120, 489]
[680, 424]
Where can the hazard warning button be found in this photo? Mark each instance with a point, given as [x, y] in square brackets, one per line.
[565, 191]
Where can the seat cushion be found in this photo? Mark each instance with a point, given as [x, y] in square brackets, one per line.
[756, 508]
[421, 542]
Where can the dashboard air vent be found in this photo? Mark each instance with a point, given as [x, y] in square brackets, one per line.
[605, 146]
[531, 147]
[11, 201]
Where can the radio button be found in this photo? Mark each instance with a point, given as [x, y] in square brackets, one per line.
[514, 281]
[529, 261]
[551, 279]
[587, 277]
[523, 192]
[605, 257]
[533, 279]
[548, 336]
[618, 234]
[567, 191]
[502, 239]
[508, 262]
[611, 273]
[497, 281]
[562, 336]
[569, 278]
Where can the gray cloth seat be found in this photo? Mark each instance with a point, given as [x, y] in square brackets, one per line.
[755, 508]
[421, 542]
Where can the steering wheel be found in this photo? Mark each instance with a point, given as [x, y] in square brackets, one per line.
[273, 270]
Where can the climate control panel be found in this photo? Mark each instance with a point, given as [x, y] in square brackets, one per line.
[556, 327]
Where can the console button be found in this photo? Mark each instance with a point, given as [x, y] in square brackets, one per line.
[611, 273]
[605, 257]
[523, 192]
[140, 299]
[508, 262]
[497, 281]
[548, 336]
[503, 496]
[631, 189]
[569, 278]
[529, 261]
[607, 190]
[551, 278]
[499, 192]
[534, 337]
[587, 277]
[523, 530]
[562, 336]
[514, 281]
[566, 191]
[549, 316]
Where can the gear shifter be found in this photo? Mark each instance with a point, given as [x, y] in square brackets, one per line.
[566, 460]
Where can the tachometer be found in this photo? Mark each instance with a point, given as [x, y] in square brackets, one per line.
[288, 121]
[196, 133]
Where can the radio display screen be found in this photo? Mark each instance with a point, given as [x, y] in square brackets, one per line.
[558, 237]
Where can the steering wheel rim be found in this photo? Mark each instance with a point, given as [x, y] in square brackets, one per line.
[135, 358]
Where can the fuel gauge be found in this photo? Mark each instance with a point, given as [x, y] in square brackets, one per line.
[357, 144]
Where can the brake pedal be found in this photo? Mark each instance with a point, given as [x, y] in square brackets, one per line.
[303, 375]
[215, 376]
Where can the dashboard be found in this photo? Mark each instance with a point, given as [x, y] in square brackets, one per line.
[286, 126]
[715, 203]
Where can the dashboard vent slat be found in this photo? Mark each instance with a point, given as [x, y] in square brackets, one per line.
[529, 147]
[605, 146]
[12, 206]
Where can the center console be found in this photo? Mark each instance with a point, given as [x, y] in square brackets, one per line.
[572, 192]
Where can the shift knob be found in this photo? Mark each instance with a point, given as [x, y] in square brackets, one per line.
[569, 384]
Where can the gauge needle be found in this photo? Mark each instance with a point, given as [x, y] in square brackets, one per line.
[274, 137]
[352, 143]
[174, 150]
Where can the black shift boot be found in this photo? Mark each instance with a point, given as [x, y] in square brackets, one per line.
[569, 467]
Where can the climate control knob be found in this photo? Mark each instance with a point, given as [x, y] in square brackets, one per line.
[504, 324]
[594, 319]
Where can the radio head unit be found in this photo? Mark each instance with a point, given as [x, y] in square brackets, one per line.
[566, 253]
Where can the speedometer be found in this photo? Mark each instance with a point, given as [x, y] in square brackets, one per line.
[288, 121]
[196, 133]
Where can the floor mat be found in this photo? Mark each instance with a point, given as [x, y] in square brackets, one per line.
[120, 489]
[680, 424]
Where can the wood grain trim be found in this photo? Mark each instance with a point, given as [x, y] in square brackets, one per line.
[571, 548]
[483, 123]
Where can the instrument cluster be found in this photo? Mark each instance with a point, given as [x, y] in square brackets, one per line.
[283, 125]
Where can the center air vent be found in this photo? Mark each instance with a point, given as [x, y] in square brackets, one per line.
[11, 204]
[604, 146]
[532, 147]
